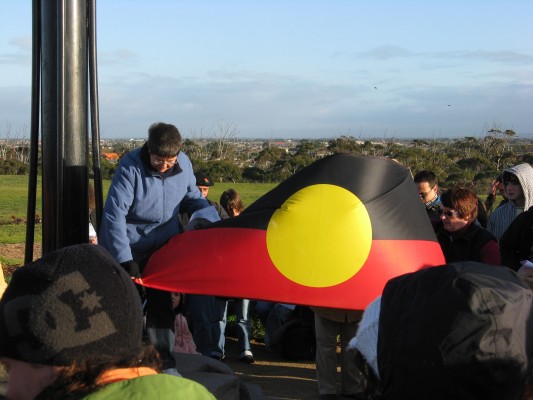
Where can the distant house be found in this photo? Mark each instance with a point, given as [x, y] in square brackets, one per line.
[111, 157]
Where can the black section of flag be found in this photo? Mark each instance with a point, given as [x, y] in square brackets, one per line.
[385, 187]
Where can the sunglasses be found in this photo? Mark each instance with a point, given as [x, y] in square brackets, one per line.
[448, 213]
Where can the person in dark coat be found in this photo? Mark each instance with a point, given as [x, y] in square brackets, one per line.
[463, 330]
[428, 190]
[516, 244]
[460, 236]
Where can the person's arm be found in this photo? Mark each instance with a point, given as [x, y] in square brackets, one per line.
[113, 232]
[526, 274]
[491, 195]
[223, 214]
[490, 253]
[510, 243]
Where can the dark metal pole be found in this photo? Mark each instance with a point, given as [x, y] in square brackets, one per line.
[34, 129]
[75, 204]
[95, 119]
[49, 122]
[64, 123]
[60, 109]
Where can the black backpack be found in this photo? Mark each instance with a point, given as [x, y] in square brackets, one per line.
[297, 336]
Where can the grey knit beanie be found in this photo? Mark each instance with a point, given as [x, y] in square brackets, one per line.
[74, 304]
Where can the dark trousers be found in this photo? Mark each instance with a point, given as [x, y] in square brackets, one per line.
[160, 324]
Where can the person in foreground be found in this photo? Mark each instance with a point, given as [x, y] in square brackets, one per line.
[149, 186]
[463, 330]
[71, 328]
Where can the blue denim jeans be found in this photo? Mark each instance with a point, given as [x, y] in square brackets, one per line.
[220, 311]
[273, 316]
[160, 324]
[201, 315]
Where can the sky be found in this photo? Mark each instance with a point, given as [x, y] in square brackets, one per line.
[296, 69]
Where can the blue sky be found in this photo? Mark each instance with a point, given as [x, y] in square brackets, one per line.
[296, 69]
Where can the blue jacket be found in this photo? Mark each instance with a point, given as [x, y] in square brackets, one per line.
[141, 209]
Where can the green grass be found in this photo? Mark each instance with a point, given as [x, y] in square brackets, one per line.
[249, 192]
[14, 203]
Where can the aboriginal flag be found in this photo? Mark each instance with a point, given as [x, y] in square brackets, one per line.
[330, 235]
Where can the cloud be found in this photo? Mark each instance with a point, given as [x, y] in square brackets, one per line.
[270, 105]
[22, 53]
[118, 57]
[387, 53]
[23, 43]
[492, 56]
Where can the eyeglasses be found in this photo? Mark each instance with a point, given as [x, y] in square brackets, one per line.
[448, 213]
[158, 161]
[168, 163]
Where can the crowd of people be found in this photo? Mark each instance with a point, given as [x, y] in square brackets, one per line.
[74, 325]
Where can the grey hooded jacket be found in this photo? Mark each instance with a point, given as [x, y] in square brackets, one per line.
[501, 217]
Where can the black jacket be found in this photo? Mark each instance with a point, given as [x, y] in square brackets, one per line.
[516, 243]
[459, 331]
[463, 247]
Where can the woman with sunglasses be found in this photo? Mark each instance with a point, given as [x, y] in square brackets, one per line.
[460, 236]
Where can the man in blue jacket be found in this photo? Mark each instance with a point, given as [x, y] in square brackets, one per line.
[141, 214]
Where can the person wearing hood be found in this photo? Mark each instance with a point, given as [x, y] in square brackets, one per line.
[518, 183]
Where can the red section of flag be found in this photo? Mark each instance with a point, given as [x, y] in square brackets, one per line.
[238, 265]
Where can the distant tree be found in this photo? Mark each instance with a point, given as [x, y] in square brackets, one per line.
[107, 169]
[307, 150]
[476, 163]
[344, 144]
[497, 148]
[13, 167]
[254, 174]
[268, 157]
[223, 133]
[222, 171]
[286, 167]
[279, 171]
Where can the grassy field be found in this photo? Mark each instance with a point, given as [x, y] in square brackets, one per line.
[14, 203]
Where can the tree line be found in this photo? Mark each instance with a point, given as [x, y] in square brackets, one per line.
[469, 161]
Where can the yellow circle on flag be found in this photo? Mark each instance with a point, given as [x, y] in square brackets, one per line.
[321, 236]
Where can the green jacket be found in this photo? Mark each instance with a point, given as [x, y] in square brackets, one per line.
[161, 387]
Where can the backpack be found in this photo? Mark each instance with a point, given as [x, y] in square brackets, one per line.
[298, 340]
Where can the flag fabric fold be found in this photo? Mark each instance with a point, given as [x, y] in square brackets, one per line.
[331, 235]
